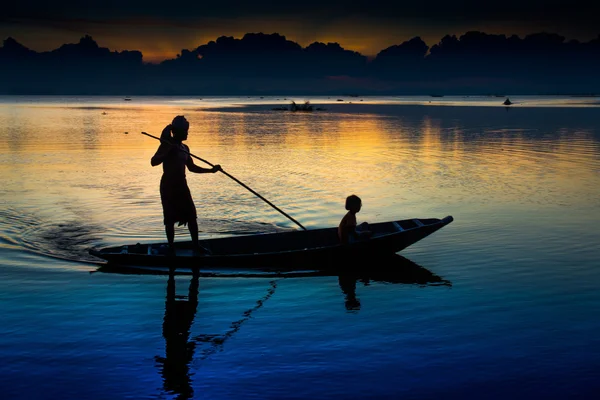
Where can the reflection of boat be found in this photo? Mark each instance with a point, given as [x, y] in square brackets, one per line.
[182, 347]
[396, 269]
[318, 247]
[388, 269]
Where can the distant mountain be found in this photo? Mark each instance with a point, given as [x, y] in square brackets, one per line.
[260, 63]
[13, 50]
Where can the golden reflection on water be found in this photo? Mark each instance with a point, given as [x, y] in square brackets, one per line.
[404, 162]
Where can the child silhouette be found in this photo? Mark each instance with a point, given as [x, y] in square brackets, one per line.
[348, 232]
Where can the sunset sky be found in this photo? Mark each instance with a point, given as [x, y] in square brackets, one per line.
[161, 29]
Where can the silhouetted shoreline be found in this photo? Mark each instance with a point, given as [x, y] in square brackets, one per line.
[266, 64]
[382, 108]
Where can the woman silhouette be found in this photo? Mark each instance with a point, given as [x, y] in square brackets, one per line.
[178, 205]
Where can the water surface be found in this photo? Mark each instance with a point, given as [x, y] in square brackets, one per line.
[510, 312]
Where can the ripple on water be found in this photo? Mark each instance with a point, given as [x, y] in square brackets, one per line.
[71, 239]
[68, 240]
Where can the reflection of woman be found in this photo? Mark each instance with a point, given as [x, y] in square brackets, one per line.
[175, 195]
[179, 316]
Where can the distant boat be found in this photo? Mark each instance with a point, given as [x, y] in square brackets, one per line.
[127, 99]
[507, 102]
[295, 107]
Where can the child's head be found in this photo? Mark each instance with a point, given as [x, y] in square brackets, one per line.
[353, 203]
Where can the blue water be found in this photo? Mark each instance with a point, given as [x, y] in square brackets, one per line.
[510, 309]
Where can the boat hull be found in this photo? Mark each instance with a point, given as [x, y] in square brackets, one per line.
[312, 249]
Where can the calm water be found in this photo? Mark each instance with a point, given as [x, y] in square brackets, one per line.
[515, 314]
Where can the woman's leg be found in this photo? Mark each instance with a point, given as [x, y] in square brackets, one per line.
[170, 231]
[193, 227]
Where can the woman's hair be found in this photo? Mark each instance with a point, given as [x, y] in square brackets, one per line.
[179, 126]
[353, 202]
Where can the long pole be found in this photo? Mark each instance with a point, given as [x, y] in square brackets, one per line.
[235, 179]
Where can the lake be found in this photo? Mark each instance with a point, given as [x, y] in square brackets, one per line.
[510, 307]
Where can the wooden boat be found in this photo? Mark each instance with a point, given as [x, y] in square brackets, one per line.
[315, 249]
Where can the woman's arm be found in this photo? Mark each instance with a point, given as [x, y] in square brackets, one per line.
[164, 148]
[199, 170]
[160, 155]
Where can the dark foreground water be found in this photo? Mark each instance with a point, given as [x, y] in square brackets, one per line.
[502, 303]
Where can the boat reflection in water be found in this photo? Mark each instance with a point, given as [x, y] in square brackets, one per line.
[388, 269]
[180, 310]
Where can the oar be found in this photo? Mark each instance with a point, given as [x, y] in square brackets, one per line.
[234, 178]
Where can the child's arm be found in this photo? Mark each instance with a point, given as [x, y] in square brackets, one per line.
[362, 231]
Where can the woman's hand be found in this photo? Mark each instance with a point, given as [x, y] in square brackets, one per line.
[216, 168]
